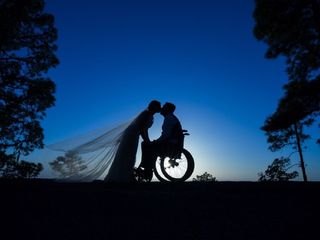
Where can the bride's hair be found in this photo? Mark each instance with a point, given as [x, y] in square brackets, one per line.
[155, 106]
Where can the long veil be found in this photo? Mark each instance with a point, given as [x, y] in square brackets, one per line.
[87, 157]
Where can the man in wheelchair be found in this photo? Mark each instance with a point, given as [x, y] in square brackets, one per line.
[169, 144]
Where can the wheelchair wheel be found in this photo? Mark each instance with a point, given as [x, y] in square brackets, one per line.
[157, 171]
[177, 169]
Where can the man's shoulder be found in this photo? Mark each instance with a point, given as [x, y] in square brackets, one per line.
[171, 118]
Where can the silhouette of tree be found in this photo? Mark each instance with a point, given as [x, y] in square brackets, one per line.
[27, 52]
[300, 102]
[29, 169]
[285, 126]
[277, 171]
[22, 169]
[68, 165]
[205, 177]
[291, 28]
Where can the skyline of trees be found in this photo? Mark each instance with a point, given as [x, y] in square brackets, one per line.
[291, 29]
[27, 51]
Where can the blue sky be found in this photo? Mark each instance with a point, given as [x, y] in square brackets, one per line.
[118, 55]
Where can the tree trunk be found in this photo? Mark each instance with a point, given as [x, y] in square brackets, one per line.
[18, 157]
[297, 133]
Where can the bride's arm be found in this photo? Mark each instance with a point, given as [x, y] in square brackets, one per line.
[145, 122]
[145, 135]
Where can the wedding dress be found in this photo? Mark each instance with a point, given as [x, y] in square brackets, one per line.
[108, 155]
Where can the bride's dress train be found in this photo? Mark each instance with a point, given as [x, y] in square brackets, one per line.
[109, 155]
[125, 156]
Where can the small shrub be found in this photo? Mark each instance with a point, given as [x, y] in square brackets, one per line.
[205, 177]
[277, 171]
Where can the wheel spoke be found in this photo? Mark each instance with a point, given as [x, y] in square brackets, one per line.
[178, 169]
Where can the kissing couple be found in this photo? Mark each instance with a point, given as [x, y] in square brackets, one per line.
[122, 167]
[111, 155]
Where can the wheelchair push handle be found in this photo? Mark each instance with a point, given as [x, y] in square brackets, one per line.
[185, 132]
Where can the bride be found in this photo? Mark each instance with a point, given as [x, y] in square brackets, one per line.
[125, 157]
[110, 155]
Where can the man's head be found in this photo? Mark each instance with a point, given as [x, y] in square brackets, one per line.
[167, 108]
[154, 106]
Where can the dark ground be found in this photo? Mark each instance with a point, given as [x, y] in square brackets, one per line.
[222, 210]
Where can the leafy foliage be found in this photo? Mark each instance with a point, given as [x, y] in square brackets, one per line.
[281, 138]
[27, 52]
[10, 168]
[291, 28]
[277, 171]
[293, 135]
[205, 177]
[68, 165]
[301, 102]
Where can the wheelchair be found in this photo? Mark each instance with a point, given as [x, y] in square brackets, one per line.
[175, 165]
